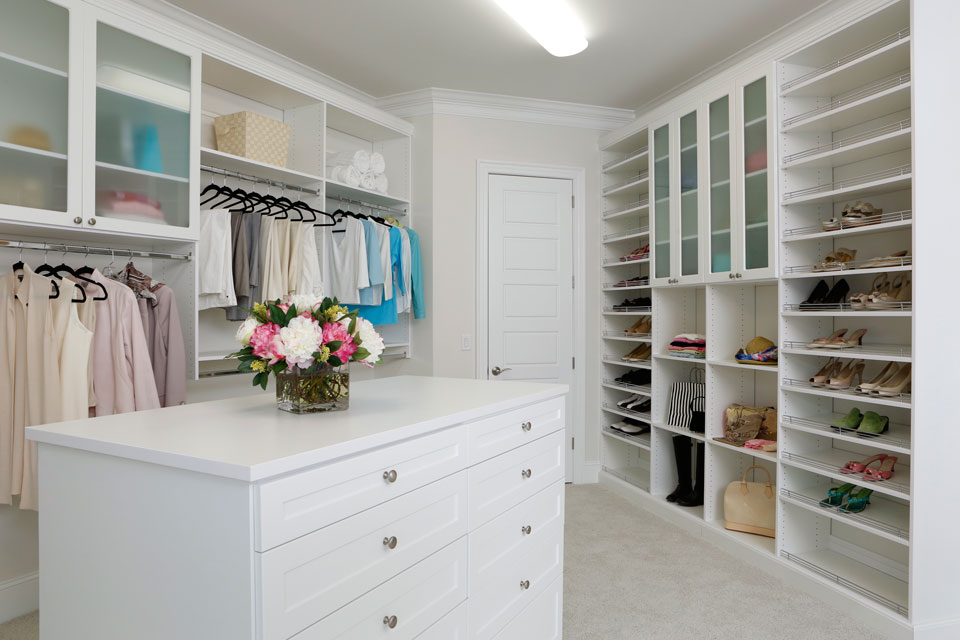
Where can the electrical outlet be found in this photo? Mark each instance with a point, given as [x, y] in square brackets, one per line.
[466, 342]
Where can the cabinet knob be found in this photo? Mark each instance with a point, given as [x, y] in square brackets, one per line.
[526, 426]
[78, 220]
[526, 530]
[731, 275]
[391, 542]
[739, 275]
[390, 476]
[524, 584]
[526, 473]
[390, 621]
[91, 221]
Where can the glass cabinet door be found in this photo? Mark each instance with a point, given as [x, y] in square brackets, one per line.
[689, 194]
[757, 227]
[721, 236]
[661, 202]
[34, 109]
[143, 133]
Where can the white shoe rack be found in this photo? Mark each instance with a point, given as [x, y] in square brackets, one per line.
[845, 136]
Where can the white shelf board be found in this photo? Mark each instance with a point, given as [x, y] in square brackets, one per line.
[864, 150]
[895, 440]
[847, 314]
[844, 272]
[626, 212]
[335, 189]
[638, 234]
[863, 110]
[641, 440]
[627, 313]
[828, 462]
[735, 364]
[852, 231]
[634, 161]
[902, 402]
[140, 172]
[641, 417]
[230, 162]
[751, 453]
[878, 63]
[643, 364]
[883, 353]
[662, 356]
[612, 289]
[53, 155]
[626, 338]
[754, 541]
[873, 188]
[633, 184]
[213, 356]
[680, 430]
[618, 263]
[33, 65]
[134, 96]
[616, 386]
[882, 517]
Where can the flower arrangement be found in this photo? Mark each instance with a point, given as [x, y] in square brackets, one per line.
[306, 341]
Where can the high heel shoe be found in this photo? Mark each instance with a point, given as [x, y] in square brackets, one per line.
[817, 295]
[857, 466]
[844, 379]
[883, 472]
[835, 495]
[880, 284]
[854, 340]
[895, 384]
[838, 294]
[856, 502]
[822, 342]
[832, 367]
[894, 297]
[887, 372]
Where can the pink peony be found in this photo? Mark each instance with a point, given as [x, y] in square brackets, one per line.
[266, 342]
[335, 331]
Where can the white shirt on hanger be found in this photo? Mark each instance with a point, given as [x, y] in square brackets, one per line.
[216, 260]
[311, 277]
[346, 261]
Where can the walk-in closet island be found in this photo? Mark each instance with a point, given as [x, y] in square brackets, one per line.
[231, 519]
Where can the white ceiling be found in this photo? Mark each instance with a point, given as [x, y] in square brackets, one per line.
[639, 49]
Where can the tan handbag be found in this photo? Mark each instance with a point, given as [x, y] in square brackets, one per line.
[751, 506]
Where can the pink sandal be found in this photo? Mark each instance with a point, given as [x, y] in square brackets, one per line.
[883, 472]
[855, 466]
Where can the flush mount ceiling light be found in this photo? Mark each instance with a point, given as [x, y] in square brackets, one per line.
[551, 23]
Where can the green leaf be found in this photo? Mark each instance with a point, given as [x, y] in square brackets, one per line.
[266, 379]
[260, 379]
[360, 353]
[326, 304]
[245, 366]
[278, 367]
[335, 345]
[353, 325]
[291, 313]
[334, 361]
[277, 316]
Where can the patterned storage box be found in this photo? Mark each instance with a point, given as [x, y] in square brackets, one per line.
[251, 135]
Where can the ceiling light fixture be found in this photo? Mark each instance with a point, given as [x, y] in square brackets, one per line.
[551, 23]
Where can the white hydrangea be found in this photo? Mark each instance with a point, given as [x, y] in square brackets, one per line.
[299, 340]
[304, 301]
[246, 330]
[369, 340]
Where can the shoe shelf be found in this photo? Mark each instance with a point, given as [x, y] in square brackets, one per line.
[639, 364]
[641, 440]
[882, 517]
[626, 337]
[902, 401]
[752, 453]
[683, 431]
[896, 439]
[643, 416]
[612, 286]
[875, 59]
[863, 579]
[735, 364]
[642, 389]
[875, 224]
[627, 311]
[896, 310]
[882, 352]
[637, 476]
[616, 262]
[828, 462]
[762, 543]
[638, 180]
[631, 207]
[891, 265]
[877, 99]
[636, 160]
[871, 144]
[629, 234]
[664, 356]
[875, 183]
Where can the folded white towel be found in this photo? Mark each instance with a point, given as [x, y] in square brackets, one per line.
[382, 183]
[334, 173]
[359, 160]
[377, 163]
[369, 181]
[350, 176]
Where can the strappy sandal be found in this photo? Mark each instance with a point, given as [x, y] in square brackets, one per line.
[857, 466]
[861, 215]
[822, 342]
[898, 259]
[897, 294]
[883, 472]
[880, 284]
[836, 259]
[832, 368]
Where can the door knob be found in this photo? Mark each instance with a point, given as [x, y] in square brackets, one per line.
[497, 370]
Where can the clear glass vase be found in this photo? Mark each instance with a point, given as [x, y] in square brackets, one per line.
[319, 388]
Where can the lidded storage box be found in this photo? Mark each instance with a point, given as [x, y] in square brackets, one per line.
[253, 136]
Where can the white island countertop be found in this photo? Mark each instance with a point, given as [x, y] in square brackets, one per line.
[248, 438]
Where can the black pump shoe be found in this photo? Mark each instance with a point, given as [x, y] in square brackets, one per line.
[816, 296]
[838, 295]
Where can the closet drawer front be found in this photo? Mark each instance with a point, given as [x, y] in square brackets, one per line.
[508, 586]
[297, 505]
[418, 597]
[492, 436]
[541, 515]
[542, 620]
[452, 627]
[507, 480]
[311, 577]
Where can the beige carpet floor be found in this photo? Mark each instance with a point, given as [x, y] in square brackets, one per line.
[630, 575]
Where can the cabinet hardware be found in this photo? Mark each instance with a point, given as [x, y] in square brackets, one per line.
[524, 584]
[78, 220]
[739, 275]
[526, 530]
[731, 275]
[91, 221]
[497, 370]
[526, 426]
[391, 542]
[526, 473]
[390, 476]
[390, 621]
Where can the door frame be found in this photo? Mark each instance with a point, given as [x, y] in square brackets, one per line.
[577, 403]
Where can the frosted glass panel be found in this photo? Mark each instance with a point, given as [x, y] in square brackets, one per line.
[720, 185]
[756, 216]
[689, 219]
[661, 207]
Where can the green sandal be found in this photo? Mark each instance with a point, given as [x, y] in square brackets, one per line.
[835, 495]
[873, 424]
[849, 422]
[856, 502]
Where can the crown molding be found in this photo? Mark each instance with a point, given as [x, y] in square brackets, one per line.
[500, 107]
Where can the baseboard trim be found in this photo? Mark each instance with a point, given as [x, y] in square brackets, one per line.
[876, 617]
[19, 596]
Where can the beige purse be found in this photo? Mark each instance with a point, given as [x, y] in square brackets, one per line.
[751, 506]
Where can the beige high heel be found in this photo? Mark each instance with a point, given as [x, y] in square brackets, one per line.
[895, 385]
[888, 372]
[898, 293]
[854, 340]
[822, 342]
[844, 379]
[833, 366]
[880, 284]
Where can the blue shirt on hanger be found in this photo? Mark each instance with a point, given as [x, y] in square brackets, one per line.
[374, 268]
[416, 280]
[386, 313]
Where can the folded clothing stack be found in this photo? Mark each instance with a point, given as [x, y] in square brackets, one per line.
[689, 345]
[359, 168]
[129, 206]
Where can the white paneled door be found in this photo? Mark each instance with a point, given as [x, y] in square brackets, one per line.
[530, 283]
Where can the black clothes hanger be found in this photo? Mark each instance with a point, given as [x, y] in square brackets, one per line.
[217, 189]
[83, 274]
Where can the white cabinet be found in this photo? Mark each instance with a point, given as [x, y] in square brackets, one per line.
[661, 222]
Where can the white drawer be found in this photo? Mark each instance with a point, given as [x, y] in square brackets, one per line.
[501, 589]
[453, 626]
[497, 539]
[296, 505]
[542, 620]
[507, 480]
[492, 436]
[311, 577]
[418, 597]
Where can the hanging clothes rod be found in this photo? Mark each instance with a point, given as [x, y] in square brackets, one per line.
[380, 207]
[93, 251]
[250, 178]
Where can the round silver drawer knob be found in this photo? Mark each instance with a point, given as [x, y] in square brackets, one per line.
[390, 621]
[391, 542]
[91, 221]
[390, 476]
[731, 275]
[526, 426]
[525, 584]
[526, 473]
[78, 220]
[526, 530]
